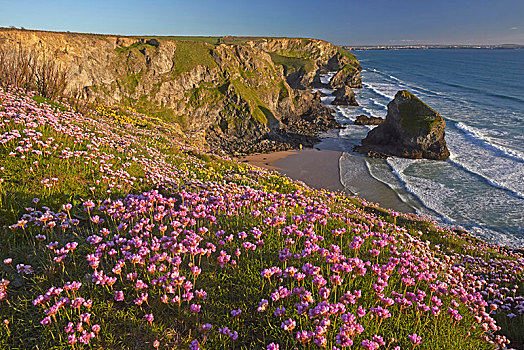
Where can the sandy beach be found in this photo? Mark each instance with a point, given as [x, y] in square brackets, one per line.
[318, 167]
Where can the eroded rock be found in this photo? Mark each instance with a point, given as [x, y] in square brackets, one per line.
[349, 76]
[344, 96]
[239, 91]
[365, 120]
[411, 130]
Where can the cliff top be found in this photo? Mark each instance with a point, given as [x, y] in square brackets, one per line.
[215, 40]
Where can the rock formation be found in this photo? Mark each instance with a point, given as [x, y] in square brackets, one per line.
[344, 96]
[240, 91]
[348, 76]
[365, 120]
[411, 130]
[304, 59]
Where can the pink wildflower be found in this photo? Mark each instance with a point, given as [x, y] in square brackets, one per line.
[415, 339]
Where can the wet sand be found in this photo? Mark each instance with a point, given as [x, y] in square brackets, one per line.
[319, 168]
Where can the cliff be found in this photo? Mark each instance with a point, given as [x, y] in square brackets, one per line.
[235, 91]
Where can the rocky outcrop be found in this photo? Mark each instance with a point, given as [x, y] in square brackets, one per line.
[365, 120]
[240, 91]
[318, 84]
[349, 76]
[344, 96]
[299, 128]
[411, 130]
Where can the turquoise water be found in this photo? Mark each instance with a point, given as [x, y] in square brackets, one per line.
[480, 93]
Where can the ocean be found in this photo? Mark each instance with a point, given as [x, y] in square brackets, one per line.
[480, 94]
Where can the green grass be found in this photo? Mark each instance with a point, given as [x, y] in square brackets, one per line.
[168, 115]
[213, 40]
[250, 95]
[74, 179]
[137, 46]
[45, 100]
[293, 64]
[238, 40]
[343, 52]
[189, 55]
[349, 69]
[205, 95]
[130, 82]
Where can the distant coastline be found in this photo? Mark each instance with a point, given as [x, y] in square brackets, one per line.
[426, 47]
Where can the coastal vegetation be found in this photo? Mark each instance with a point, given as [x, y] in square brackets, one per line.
[117, 232]
[189, 55]
[293, 64]
[412, 112]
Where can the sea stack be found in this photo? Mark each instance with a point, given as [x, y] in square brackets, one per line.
[345, 96]
[349, 76]
[412, 129]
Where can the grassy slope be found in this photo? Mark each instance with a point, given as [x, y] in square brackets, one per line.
[211, 202]
[207, 39]
[293, 64]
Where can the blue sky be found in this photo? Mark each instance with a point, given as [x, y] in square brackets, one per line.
[342, 22]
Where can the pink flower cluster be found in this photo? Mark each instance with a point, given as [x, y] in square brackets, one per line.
[65, 301]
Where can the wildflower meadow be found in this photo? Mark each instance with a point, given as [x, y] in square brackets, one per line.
[116, 232]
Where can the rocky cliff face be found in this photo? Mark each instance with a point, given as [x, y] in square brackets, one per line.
[411, 130]
[304, 59]
[236, 92]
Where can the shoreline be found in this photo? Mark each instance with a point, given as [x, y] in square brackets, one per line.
[303, 165]
[319, 168]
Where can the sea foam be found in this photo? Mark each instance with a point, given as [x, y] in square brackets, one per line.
[486, 141]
